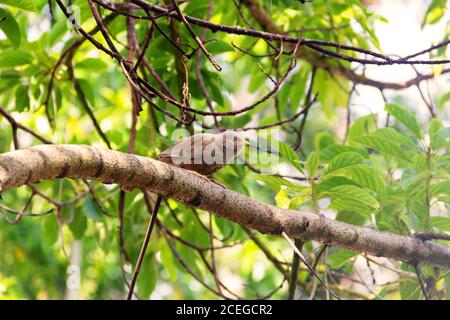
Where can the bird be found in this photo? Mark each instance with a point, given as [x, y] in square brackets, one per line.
[204, 153]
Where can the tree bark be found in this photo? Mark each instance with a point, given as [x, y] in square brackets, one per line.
[45, 162]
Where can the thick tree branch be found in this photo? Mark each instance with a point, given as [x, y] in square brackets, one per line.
[77, 161]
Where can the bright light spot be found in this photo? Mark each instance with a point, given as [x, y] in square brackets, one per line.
[106, 124]
[42, 125]
[195, 286]
[259, 270]
[163, 129]
[323, 203]
[162, 291]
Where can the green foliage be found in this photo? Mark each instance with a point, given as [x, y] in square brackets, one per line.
[149, 277]
[339, 257]
[405, 117]
[359, 188]
[10, 27]
[435, 12]
[21, 4]
[289, 155]
[350, 197]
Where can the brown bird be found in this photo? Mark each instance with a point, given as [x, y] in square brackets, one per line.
[204, 153]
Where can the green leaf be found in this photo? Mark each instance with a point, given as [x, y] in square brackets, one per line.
[365, 176]
[90, 209]
[384, 145]
[14, 58]
[241, 121]
[441, 187]
[442, 223]
[420, 162]
[447, 286]
[435, 12]
[418, 214]
[78, 225]
[343, 160]
[397, 137]
[301, 198]
[289, 155]
[338, 257]
[407, 178]
[391, 219]
[219, 47]
[297, 92]
[22, 98]
[351, 217]
[257, 82]
[438, 135]
[91, 64]
[418, 183]
[331, 181]
[337, 85]
[331, 151]
[443, 100]
[10, 27]
[362, 127]
[51, 229]
[350, 197]
[406, 117]
[282, 199]
[435, 125]
[276, 182]
[409, 289]
[312, 164]
[148, 277]
[438, 141]
[21, 4]
[322, 140]
[87, 90]
[57, 32]
[168, 262]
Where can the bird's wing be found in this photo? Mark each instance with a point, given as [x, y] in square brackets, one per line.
[187, 148]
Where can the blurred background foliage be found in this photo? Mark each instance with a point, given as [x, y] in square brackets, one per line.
[390, 189]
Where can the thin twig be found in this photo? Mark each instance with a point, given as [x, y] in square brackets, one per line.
[144, 246]
[194, 36]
